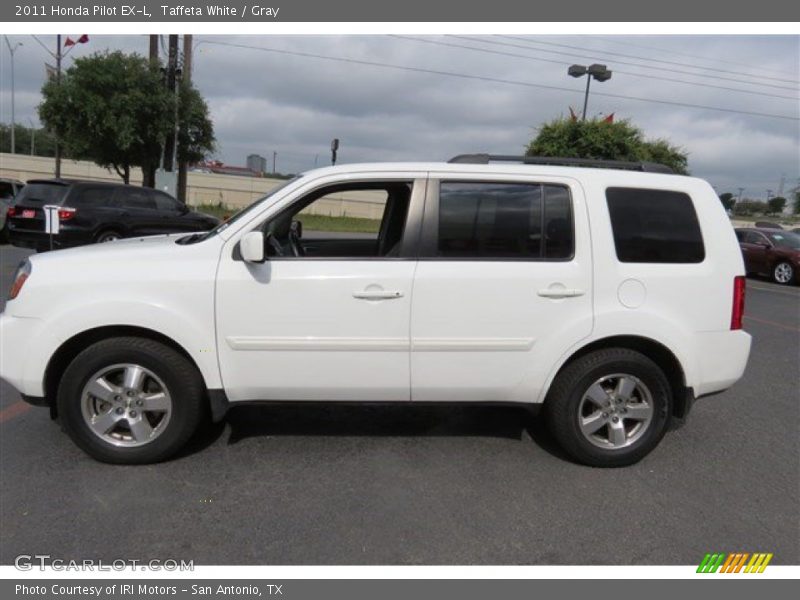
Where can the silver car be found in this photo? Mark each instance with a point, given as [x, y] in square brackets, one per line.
[9, 188]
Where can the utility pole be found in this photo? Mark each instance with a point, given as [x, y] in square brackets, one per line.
[11, 50]
[741, 191]
[172, 67]
[58, 82]
[274, 157]
[187, 77]
[33, 136]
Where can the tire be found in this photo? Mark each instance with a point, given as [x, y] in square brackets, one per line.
[580, 393]
[109, 235]
[130, 400]
[783, 273]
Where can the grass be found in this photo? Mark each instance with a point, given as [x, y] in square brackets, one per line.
[310, 222]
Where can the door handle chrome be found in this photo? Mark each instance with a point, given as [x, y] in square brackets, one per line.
[560, 293]
[377, 295]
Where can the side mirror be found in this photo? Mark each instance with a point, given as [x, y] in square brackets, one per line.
[252, 247]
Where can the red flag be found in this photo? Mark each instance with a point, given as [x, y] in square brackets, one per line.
[83, 39]
[69, 42]
[609, 118]
[572, 115]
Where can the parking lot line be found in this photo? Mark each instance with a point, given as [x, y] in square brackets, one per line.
[773, 323]
[766, 289]
[19, 407]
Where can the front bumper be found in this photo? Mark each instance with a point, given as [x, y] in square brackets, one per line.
[24, 353]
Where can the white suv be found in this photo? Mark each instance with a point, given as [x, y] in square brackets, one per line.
[610, 294]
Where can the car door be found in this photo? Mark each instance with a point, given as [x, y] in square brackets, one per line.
[332, 327]
[755, 250]
[139, 214]
[503, 286]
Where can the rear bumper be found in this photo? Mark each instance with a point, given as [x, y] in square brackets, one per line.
[722, 359]
[40, 241]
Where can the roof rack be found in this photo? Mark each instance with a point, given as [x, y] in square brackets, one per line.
[485, 159]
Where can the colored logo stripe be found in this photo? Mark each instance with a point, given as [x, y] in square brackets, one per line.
[734, 562]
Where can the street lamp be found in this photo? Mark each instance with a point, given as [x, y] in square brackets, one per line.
[598, 72]
[12, 50]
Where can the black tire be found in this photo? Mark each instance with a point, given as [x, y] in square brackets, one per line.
[107, 235]
[569, 388]
[181, 378]
[783, 273]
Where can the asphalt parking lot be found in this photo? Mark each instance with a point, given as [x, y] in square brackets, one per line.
[422, 485]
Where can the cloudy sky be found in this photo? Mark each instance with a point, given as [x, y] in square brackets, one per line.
[294, 102]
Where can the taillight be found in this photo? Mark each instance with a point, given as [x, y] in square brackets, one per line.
[20, 277]
[65, 214]
[11, 212]
[737, 312]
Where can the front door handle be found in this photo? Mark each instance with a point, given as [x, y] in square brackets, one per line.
[560, 293]
[377, 295]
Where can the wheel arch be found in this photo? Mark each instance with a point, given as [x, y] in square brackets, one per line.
[73, 346]
[665, 358]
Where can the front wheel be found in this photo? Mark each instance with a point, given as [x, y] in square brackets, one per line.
[130, 400]
[783, 273]
[108, 236]
[609, 408]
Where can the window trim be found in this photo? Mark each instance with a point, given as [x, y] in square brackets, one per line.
[655, 189]
[429, 236]
[411, 232]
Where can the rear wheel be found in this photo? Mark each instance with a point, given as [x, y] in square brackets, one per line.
[609, 408]
[783, 273]
[108, 236]
[130, 400]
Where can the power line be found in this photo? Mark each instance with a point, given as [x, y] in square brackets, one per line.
[561, 62]
[496, 80]
[666, 62]
[705, 58]
[621, 62]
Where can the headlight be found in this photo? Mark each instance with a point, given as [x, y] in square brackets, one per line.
[20, 277]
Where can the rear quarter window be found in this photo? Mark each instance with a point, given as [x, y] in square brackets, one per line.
[654, 226]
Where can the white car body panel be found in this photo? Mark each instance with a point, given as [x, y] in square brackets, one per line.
[457, 331]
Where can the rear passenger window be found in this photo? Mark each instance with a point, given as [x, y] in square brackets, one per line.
[654, 226]
[91, 197]
[504, 220]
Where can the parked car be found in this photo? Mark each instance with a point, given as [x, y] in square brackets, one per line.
[770, 252]
[9, 188]
[768, 225]
[610, 298]
[91, 211]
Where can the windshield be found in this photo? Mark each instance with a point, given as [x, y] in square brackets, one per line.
[198, 237]
[785, 239]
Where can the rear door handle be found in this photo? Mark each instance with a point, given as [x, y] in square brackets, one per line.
[377, 295]
[560, 293]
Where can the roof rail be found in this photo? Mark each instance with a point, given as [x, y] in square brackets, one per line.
[485, 159]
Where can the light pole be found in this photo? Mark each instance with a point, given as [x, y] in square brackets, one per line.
[598, 72]
[12, 50]
[33, 136]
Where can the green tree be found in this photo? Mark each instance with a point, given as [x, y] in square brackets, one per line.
[601, 140]
[797, 202]
[727, 200]
[114, 109]
[776, 204]
[44, 143]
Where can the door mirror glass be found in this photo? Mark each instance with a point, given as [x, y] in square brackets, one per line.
[252, 247]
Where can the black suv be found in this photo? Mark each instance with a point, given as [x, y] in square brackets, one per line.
[93, 211]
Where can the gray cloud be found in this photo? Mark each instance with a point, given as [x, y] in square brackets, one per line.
[263, 102]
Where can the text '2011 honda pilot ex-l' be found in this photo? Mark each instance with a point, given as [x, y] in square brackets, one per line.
[608, 294]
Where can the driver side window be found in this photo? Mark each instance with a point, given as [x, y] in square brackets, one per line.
[353, 220]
